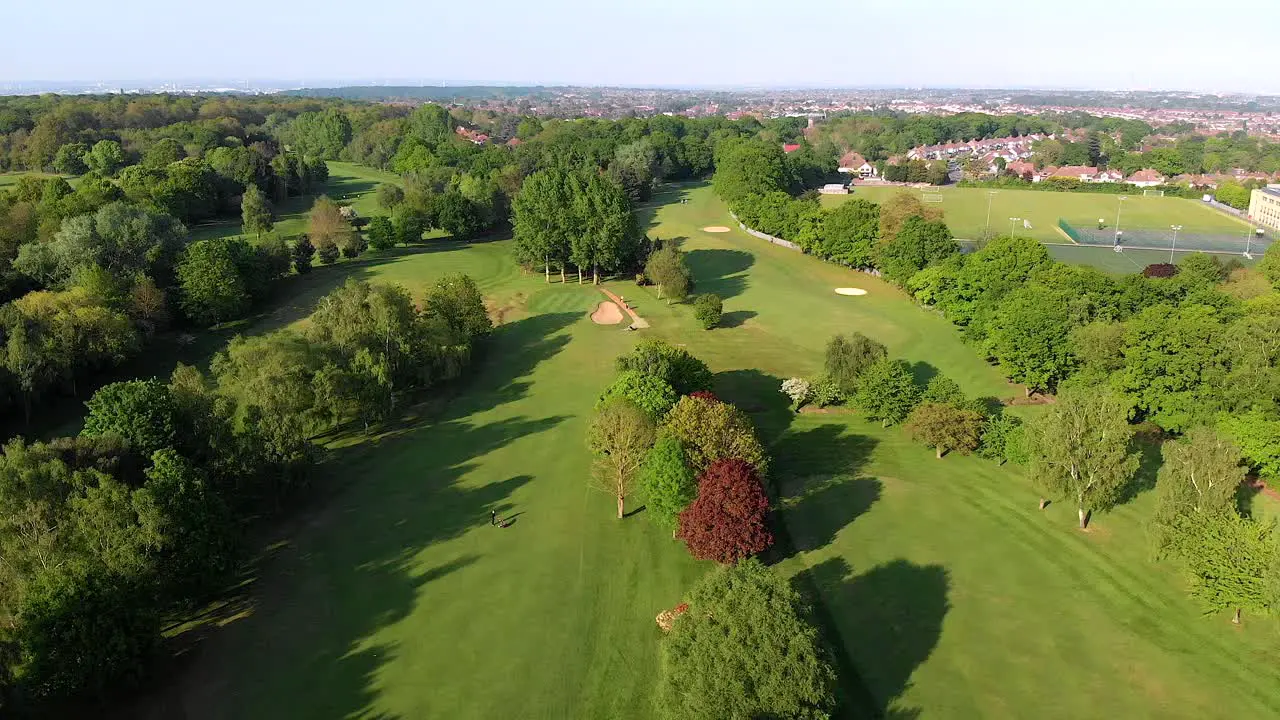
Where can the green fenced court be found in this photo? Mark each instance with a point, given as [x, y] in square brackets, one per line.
[1183, 239]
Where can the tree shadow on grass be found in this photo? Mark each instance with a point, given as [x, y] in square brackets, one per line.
[737, 318]
[819, 487]
[922, 372]
[302, 648]
[892, 615]
[1148, 441]
[720, 271]
[760, 395]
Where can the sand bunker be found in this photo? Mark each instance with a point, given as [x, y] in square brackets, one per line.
[715, 228]
[850, 291]
[608, 313]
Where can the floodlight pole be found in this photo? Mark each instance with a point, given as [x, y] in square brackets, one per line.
[1119, 206]
[1175, 228]
[1012, 232]
[991, 194]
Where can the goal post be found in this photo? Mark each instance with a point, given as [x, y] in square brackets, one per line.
[1152, 192]
[933, 198]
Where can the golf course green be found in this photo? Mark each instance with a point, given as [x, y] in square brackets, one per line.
[941, 587]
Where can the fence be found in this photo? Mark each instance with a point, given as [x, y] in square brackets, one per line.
[756, 233]
[1182, 241]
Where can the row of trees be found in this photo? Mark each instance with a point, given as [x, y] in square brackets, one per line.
[574, 218]
[700, 466]
[104, 534]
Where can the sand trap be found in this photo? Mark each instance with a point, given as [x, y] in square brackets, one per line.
[607, 314]
[850, 291]
[715, 228]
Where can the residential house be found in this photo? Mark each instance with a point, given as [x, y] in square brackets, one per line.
[1109, 176]
[1021, 168]
[1045, 173]
[1082, 173]
[1146, 178]
[853, 163]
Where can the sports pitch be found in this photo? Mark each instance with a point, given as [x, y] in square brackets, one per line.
[966, 211]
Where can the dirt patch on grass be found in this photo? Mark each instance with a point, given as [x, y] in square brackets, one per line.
[607, 313]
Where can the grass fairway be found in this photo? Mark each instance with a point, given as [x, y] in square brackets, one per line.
[966, 211]
[941, 586]
[348, 183]
[10, 179]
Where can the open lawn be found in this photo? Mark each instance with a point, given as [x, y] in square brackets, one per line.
[11, 178]
[942, 588]
[966, 211]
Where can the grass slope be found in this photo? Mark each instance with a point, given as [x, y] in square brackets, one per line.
[942, 587]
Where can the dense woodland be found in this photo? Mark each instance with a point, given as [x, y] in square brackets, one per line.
[107, 535]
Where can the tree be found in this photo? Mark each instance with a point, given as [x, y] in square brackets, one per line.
[727, 520]
[1270, 264]
[711, 430]
[1172, 360]
[389, 195]
[197, 548]
[1003, 440]
[1231, 563]
[326, 226]
[1080, 447]
[620, 435]
[649, 393]
[213, 288]
[1199, 478]
[543, 221]
[1029, 335]
[634, 167]
[887, 391]
[707, 308]
[745, 649]
[917, 244]
[302, 253]
[382, 235]
[142, 412]
[895, 211]
[70, 159]
[946, 427]
[255, 212]
[850, 232]
[682, 371]
[668, 270]
[848, 357]
[667, 481]
[105, 157]
[455, 301]
[942, 389]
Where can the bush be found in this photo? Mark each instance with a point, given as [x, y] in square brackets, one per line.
[668, 483]
[708, 308]
[328, 254]
[1160, 270]
[745, 649]
[727, 521]
[799, 390]
[382, 234]
[641, 280]
[826, 392]
[946, 427]
[1002, 440]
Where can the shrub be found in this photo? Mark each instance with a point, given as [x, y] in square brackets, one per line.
[327, 253]
[1002, 440]
[727, 520]
[382, 234]
[668, 482]
[887, 392]
[946, 427]
[1160, 270]
[641, 280]
[826, 392]
[799, 390]
[708, 308]
[848, 357]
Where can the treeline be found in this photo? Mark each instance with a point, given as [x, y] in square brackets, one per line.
[1188, 154]
[702, 470]
[106, 535]
[879, 135]
[1065, 184]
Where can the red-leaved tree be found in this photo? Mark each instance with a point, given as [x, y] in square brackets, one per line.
[727, 521]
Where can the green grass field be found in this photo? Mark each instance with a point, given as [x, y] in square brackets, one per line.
[348, 183]
[945, 592]
[11, 178]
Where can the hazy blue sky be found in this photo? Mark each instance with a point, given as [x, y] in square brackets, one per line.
[1144, 44]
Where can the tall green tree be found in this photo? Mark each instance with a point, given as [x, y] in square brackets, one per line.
[255, 212]
[1081, 448]
[1231, 563]
[1199, 478]
[620, 435]
[886, 391]
[917, 244]
[745, 649]
[668, 482]
[668, 269]
[946, 427]
[847, 358]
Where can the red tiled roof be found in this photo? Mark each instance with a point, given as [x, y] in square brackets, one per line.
[1075, 171]
[1147, 175]
[790, 147]
[852, 159]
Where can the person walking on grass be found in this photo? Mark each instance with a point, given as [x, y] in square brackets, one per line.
[493, 517]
